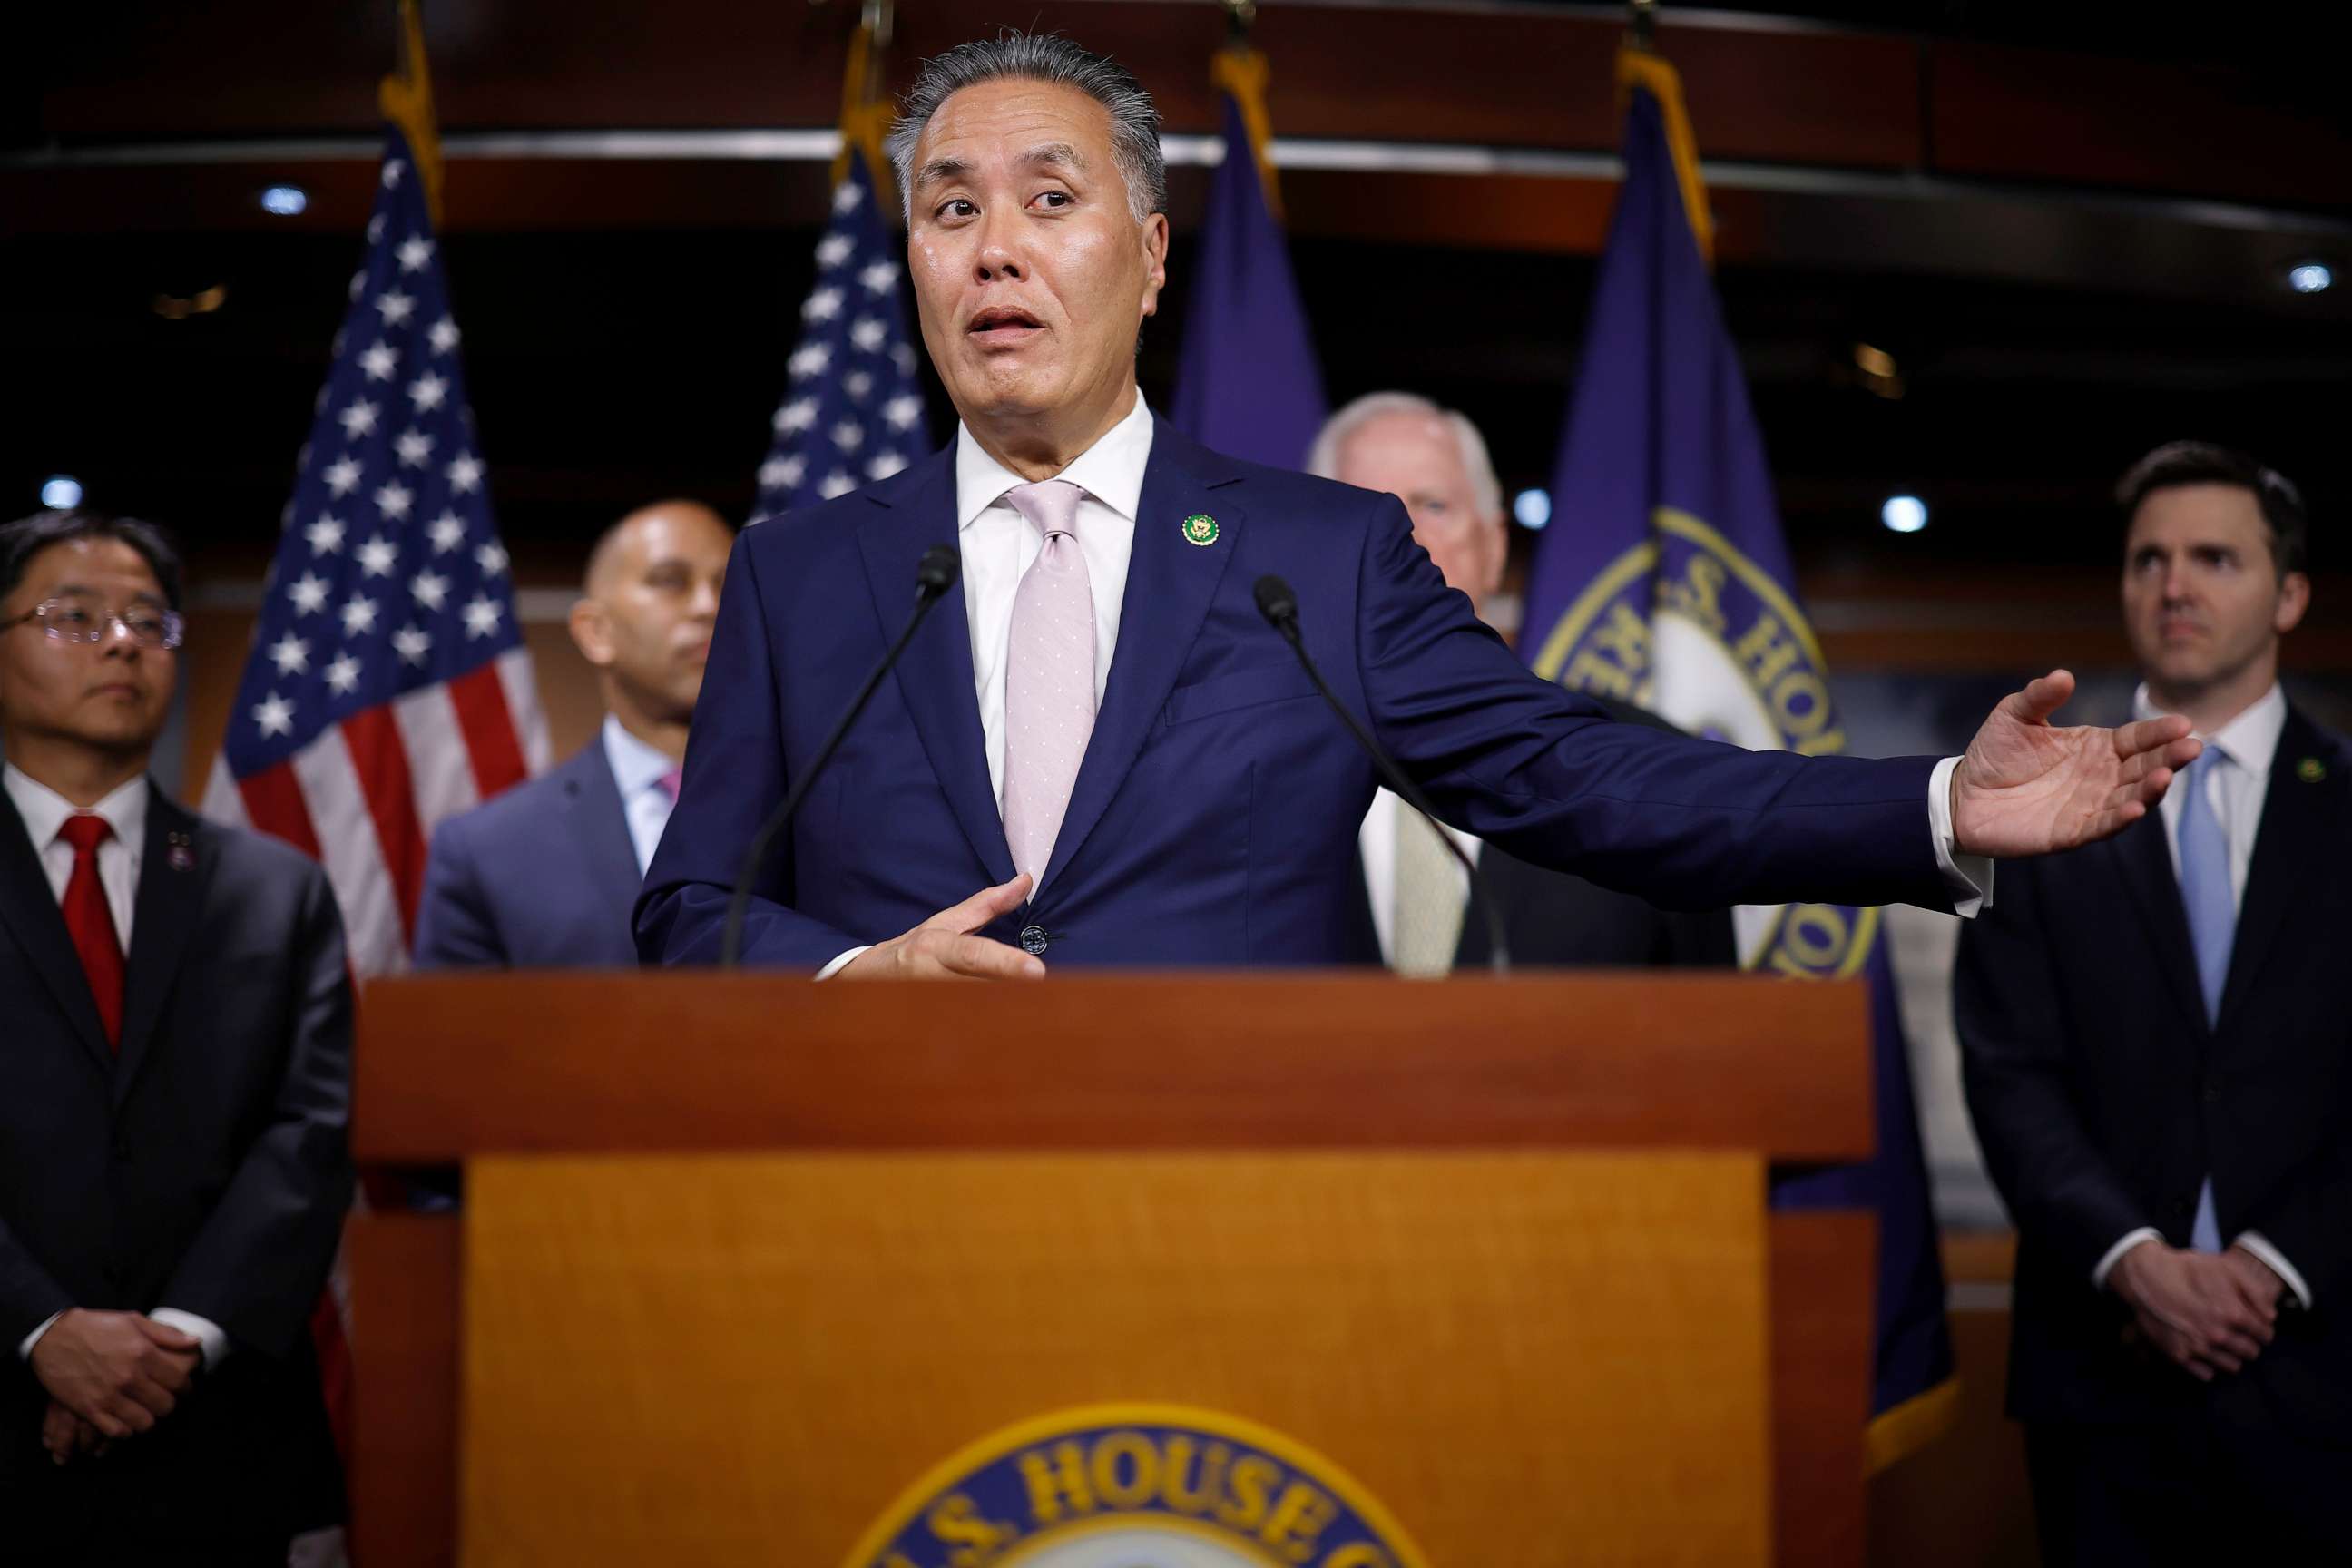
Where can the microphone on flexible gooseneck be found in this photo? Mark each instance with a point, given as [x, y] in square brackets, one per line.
[934, 575]
[1279, 606]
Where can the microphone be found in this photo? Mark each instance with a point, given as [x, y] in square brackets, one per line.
[1279, 606]
[934, 575]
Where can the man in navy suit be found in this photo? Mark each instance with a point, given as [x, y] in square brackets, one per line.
[543, 876]
[1421, 913]
[2159, 1065]
[1100, 734]
[174, 1079]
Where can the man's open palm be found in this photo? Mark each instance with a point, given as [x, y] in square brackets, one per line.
[2028, 788]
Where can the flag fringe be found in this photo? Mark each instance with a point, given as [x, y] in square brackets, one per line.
[1900, 1431]
[1651, 73]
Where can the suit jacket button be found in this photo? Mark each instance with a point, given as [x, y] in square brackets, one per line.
[1034, 940]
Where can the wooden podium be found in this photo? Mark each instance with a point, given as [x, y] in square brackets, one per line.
[741, 1258]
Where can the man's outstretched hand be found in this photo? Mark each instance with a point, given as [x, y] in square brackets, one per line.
[945, 948]
[2028, 788]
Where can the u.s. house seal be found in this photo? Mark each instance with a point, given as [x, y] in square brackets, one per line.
[1136, 1486]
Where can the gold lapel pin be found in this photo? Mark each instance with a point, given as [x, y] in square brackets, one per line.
[2311, 769]
[1201, 529]
[180, 856]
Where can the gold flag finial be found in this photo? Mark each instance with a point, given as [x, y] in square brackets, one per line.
[407, 98]
[865, 110]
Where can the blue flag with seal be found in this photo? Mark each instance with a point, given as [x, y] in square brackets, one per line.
[1247, 384]
[1663, 580]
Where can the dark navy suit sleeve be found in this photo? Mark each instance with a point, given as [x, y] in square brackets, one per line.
[734, 778]
[2014, 1063]
[256, 1263]
[1684, 823]
[28, 1297]
[454, 928]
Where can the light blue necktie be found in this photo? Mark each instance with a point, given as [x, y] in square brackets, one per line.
[2212, 926]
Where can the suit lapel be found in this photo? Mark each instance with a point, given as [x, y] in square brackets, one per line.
[1169, 583]
[2141, 854]
[934, 675]
[174, 867]
[29, 911]
[2297, 814]
[599, 821]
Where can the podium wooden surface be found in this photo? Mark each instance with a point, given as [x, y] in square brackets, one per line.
[540, 1083]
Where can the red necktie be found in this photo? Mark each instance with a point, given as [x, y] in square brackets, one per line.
[90, 922]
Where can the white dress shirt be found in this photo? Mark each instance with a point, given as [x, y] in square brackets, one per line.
[2235, 783]
[999, 545]
[1376, 842]
[638, 769]
[44, 812]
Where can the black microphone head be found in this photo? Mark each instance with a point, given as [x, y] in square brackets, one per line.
[937, 570]
[1275, 602]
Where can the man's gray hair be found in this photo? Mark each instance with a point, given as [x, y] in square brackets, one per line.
[1040, 57]
[1323, 458]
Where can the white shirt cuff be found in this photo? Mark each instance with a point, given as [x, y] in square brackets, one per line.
[2114, 1254]
[211, 1335]
[24, 1346]
[842, 962]
[1968, 877]
[2253, 1241]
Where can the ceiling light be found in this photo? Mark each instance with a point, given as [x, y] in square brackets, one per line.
[286, 201]
[61, 493]
[1532, 508]
[1903, 514]
[2310, 277]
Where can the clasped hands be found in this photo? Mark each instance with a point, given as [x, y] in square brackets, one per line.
[2210, 1311]
[110, 1376]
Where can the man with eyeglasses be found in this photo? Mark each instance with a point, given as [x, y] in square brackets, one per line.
[174, 1075]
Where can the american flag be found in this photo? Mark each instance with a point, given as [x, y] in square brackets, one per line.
[388, 686]
[854, 413]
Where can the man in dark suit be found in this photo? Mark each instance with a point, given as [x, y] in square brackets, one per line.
[1100, 726]
[2159, 1065]
[173, 1092]
[1421, 915]
[543, 876]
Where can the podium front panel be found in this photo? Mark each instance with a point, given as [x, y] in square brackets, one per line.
[1522, 1357]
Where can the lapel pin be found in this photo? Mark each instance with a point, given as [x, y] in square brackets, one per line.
[1201, 529]
[179, 856]
[2311, 769]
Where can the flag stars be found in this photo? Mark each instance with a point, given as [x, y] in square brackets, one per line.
[342, 474]
[781, 473]
[491, 558]
[325, 536]
[414, 252]
[465, 473]
[275, 715]
[836, 483]
[859, 384]
[290, 654]
[428, 392]
[412, 644]
[375, 228]
[846, 196]
[358, 420]
[798, 414]
[377, 556]
[414, 446]
[380, 362]
[883, 465]
[309, 594]
[392, 169]
[343, 674]
[808, 359]
[903, 410]
[482, 615]
[358, 616]
[447, 531]
[849, 436]
[867, 333]
[823, 305]
[396, 306]
[392, 499]
[444, 335]
[878, 277]
[833, 250]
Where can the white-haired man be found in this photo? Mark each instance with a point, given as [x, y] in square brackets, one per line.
[1417, 900]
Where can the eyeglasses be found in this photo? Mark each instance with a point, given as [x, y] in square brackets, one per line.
[66, 620]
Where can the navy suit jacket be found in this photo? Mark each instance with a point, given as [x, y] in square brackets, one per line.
[1213, 820]
[540, 877]
[2102, 1098]
[203, 1166]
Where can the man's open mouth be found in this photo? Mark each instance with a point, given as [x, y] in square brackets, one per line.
[1003, 323]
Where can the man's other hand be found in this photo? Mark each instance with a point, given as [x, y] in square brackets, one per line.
[68, 1436]
[2028, 787]
[120, 1371]
[2194, 1307]
[2261, 1283]
[943, 948]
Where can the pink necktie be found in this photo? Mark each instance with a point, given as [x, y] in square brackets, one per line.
[669, 783]
[1049, 678]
